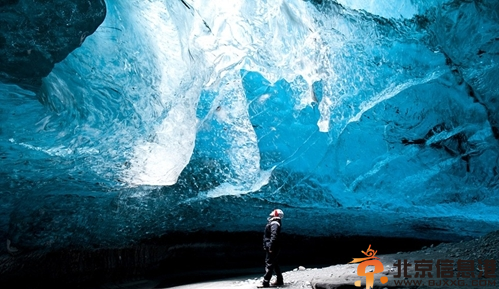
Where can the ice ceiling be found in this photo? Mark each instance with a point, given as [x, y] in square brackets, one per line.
[354, 117]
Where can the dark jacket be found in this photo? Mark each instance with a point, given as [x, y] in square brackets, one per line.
[271, 235]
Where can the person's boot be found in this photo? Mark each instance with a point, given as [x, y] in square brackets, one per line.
[265, 283]
[278, 282]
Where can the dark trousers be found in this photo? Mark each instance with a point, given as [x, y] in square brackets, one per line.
[271, 265]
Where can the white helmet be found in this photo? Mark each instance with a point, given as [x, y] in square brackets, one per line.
[276, 213]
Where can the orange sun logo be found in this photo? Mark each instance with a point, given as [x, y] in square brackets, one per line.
[370, 260]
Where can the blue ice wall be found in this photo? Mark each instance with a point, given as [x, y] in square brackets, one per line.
[374, 118]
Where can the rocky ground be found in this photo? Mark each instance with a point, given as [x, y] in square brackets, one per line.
[344, 276]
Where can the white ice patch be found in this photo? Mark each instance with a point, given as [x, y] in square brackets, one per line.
[231, 189]
[160, 157]
[161, 162]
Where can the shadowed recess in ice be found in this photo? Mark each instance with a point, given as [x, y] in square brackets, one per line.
[176, 115]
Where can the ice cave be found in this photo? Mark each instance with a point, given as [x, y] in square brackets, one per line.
[166, 129]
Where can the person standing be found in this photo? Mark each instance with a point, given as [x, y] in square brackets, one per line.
[272, 247]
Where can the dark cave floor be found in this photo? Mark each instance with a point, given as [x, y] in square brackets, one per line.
[235, 260]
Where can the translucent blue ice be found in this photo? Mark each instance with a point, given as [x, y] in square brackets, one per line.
[356, 117]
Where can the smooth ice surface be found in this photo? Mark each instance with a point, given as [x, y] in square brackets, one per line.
[356, 117]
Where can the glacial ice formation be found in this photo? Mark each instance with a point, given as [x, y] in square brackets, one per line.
[374, 117]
